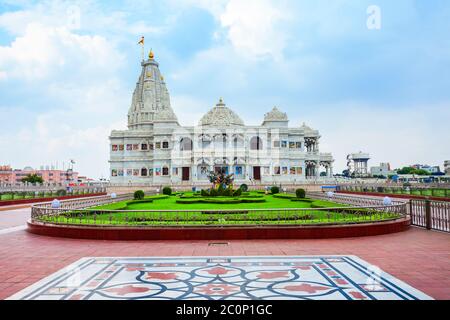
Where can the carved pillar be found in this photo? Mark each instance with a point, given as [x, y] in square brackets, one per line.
[194, 174]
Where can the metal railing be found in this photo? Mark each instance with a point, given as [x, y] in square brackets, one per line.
[433, 215]
[414, 190]
[69, 215]
[71, 204]
[350, 199]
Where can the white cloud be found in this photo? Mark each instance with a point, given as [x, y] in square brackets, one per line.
[45, 51]
[254, 27]
[60, 136]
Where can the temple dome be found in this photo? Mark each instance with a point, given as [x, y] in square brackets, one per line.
[275, 115]
[221, 115]
[151, 100]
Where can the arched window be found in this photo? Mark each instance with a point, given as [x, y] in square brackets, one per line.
[238, 142]
[144, 172]
[186, 144]
[256, 143]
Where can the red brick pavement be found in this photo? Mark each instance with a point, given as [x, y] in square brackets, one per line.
[419, 257]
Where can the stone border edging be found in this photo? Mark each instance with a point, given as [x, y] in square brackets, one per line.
[219, 233]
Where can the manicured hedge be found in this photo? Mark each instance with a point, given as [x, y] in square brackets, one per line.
[302, 200]
[221, 200]
[140, 201]
[253, 196]
[158, 197]
[284, 196]
[253, 200]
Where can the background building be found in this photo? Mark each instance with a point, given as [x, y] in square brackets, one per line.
[447, 167]
[357, 164]
[430, 169]
[13, 176]
[384, 169]
[157, 150]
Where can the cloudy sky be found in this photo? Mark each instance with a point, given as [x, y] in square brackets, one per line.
[68, 68]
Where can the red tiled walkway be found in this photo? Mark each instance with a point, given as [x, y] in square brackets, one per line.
[420, 258]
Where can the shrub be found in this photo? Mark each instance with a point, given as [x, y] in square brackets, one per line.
[274, 190]
[167, 191]
[300, 193]
[30, 194]
[220, 190]
[228, 192]
[61, 192]
[139, 195]
[244, 187]
[205, 193]
[213, 193]
[237, 193]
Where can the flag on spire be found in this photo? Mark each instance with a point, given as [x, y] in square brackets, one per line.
[141, 41]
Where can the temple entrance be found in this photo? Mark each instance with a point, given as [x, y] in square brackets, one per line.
[257, 173]
[186, 173]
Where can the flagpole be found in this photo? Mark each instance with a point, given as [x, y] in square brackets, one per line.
[142, 44]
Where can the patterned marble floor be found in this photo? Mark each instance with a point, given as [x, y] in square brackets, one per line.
[217, 278]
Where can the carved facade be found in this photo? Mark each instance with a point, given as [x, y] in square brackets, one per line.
[157, 150]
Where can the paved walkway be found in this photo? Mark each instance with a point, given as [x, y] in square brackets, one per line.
[13, 219]
[418, 257]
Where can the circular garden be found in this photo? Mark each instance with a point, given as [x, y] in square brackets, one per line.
[220, 205]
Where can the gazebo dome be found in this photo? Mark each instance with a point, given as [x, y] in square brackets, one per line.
[221, 115]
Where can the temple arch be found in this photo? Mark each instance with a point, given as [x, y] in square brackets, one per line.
[256, 143]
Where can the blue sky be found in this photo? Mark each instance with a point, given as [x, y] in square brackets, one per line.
[68, 68]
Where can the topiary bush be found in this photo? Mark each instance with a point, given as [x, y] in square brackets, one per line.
[167, 191]
[274, 190]
[139, 195]
[244, 187]
[205, 193]
[300, 193]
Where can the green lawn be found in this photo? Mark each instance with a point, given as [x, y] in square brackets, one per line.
[202, 213]
[171, 204]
